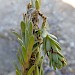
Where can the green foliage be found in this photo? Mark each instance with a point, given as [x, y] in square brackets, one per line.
[31, 70]
[37, 4]
[52, 49]
[18, 72]
[31, 39]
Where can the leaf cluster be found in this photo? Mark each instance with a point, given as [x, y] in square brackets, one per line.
[29, 55]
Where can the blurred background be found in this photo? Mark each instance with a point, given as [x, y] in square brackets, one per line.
[61, 19]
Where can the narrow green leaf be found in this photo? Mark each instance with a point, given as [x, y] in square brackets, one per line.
[54, 37]
[24, 52]
[64, 64]
[37, 70]
[26, 39]
[48, 45]
[18, 72]
[56, 43]
[50, 58]
[59, 53]
[20, 60]
[42, 72]
[31, 70]
[59, 65]
[17, 34]
[20, 57]
[23, 37]
[37, 4]
[22, 26]
[55, 58]
[60, 57]
[44, 44]
[54, 65]
[20, 41]
[38, 58]
[40, 65]
[30, 46]
[30, 29]
[55, 49]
